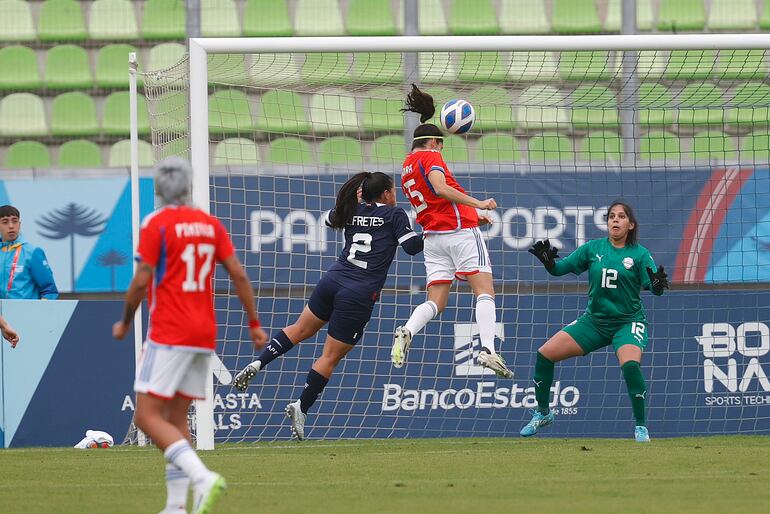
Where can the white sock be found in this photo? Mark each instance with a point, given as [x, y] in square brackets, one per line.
[177, 485]
[486, 318]
[184, 457]
[421, 316]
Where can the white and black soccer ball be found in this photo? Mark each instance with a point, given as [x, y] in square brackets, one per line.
[457, 116]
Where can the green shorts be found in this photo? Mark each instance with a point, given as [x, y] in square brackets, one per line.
[591, 336]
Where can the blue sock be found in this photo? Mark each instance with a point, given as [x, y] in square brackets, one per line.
[314, 384]
[278, 345]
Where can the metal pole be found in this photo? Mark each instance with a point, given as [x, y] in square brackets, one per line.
[411, 66]
[629, 91]
[193, 24]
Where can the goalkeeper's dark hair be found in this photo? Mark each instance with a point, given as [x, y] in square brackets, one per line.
[372, 186]
[631, 238]
[422, 103]
[8, 211]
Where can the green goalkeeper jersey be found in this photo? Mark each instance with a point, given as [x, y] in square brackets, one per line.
[615, 276]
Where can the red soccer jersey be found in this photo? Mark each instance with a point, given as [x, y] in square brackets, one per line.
[183, 244]
[434, 214]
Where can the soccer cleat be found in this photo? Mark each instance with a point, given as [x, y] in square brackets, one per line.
[495, 362]
[298, 419]
[401, 343]
[170, 510]
[641, 434]
[538, 420]
[207, 494]
[245, 375]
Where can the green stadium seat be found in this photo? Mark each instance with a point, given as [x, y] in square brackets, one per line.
[587, 66]
[473, 18]
[655, 105]
[219, 18]
[289, 150]
[643, 16]
[341, 150]
[533, 67]
[700, 104]
[318, 18]
[178, 145]
[437, 67]
[690, 64]
[455, 150]
[74, 114]
[441, 95]
[650, 64]
[575, 17]
[601, 147]
[120, 154]
[681, 15]
[713, 145]
[741, 64]
[112, 66]
[228, 69]
[266, 18]
[333, 111]
[732, 15]
[370, 18]
[113, 19]
[236, 151]
[164, 19]
[270, 70]
[482, 67]
[378, 68]
[431, 20]
[80, 154]
[382, 110]
[388, 149]
[16, 21]
[67, 67]
[750, 105]
[755, 149]
[61, 20]
[657, 146]
[497, 148]
[764, 16]
[18, 68]
[164, 56]
[116, 120]
[523, 17]
[550, 147]
[27, 154]
[542, 107]
[494, 108]
[230, 112]
[594, 106]
[171, 112]
[326, 69]
[283, 112]
[22, 114]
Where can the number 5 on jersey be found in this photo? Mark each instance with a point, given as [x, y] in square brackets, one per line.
[415, 197]
[206, 252]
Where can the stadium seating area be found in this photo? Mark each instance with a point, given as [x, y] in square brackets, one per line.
[64, 100]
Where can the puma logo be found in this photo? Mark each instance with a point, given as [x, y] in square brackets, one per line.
[599, 257]
[641, 395]
[538, 384]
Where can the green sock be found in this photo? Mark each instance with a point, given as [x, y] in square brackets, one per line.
[637, 390]
[543, 381]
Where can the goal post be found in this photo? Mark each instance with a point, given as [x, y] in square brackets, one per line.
[276, 125]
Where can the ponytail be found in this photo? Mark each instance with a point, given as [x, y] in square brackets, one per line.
[372, 186]
[422, 103]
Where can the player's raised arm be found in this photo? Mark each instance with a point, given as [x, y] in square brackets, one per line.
[134, 296]
[438, 181]
[8, 332]
[246, 295]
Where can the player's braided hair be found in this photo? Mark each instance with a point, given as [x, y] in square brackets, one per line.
[371, 186]
[422, 103]
[631, 238]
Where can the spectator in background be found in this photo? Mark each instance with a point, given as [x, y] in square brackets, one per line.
[24, 270]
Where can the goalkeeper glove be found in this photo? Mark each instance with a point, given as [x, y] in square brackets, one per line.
[658, 280]
[545, 253]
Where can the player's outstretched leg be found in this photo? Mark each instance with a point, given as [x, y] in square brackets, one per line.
[401, 342]
[641, 434]
[420, 317]
[278, 345]
[538, 421]
[298, 418]
[495, 362]
[244, 376]
[207, 493]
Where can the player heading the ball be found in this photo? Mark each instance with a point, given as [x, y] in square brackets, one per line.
[454, 246]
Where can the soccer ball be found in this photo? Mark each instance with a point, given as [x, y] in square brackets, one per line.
[457, 116]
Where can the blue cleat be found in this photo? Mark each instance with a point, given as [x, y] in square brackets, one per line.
[538, 420]
[641, 434]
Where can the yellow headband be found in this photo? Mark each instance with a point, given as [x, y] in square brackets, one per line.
[428, 137]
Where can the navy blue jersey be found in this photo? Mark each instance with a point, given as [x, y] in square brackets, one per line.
[371, 240]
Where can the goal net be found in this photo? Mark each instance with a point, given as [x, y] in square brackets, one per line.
[561, 131]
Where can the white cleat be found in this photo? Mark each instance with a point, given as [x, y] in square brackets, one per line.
[298, 419]
[245, 375]
[495, 362]
[401, 343]
[208, 492]
[170, 510]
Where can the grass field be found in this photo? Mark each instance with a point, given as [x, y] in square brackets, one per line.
[716, 474]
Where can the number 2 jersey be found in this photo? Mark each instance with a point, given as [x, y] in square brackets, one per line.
[434, 214]
[182, 244]
[371, 239]
[615, 278]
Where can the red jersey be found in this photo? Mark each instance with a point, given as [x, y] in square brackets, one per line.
[183, 244]
[434, 214]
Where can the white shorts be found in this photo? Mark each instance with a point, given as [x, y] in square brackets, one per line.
[455, 255]
[167, 371]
